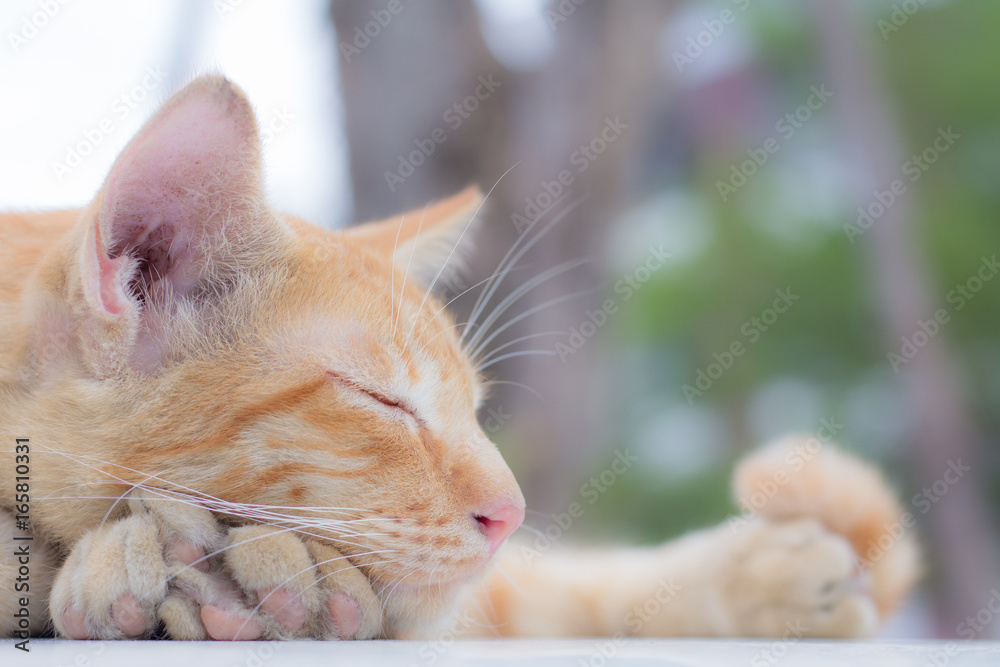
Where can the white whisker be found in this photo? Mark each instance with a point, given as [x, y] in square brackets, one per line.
[430, 288]
[519, 353]
[513, 297]
[514, 255]
[465, 291]
[392, 276]
[406, 273]
[516, 384]
[531, 311]
[492, 353]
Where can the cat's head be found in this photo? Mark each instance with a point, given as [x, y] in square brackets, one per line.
[258, 359]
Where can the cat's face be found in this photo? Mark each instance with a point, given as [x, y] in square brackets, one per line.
[261, 360]
[384, 419]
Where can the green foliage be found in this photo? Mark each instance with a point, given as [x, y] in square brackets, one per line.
[942, 68]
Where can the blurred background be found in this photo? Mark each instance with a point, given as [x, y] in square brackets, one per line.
[770, 216]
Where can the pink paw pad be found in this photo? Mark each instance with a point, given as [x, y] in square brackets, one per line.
[188, 553]
[284, 606]
[75, 623]
[224, 625]
[129, 617]
[345, 613]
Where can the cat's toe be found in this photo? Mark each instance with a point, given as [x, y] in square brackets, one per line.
[345, 614]
[129, 616]
[231, 624]
[301, 589]
[72, 623]
[111, 583]
[188, 553]
[277, 576]
[353, 611]
[286, 607]
[181, 617]
[123, 579]
[799, 580]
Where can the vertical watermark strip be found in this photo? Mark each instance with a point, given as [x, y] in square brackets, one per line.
[22, 542]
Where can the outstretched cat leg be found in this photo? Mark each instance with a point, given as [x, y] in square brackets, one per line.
[814, 561]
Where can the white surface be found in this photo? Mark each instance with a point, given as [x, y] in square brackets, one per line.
[575, 653]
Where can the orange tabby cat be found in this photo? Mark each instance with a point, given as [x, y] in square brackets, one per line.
[237, 425]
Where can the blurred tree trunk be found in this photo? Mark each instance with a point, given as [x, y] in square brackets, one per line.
[957, 527]
[397, 86]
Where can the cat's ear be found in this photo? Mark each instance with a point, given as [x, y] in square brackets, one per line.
[430, 241]
[181, 188]
[182, 205]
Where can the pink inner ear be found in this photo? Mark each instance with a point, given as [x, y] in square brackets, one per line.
[196, 156]
[107, 278]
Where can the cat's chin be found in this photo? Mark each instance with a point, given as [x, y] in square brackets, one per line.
[413, 609]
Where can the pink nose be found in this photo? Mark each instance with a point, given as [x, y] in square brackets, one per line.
[497, 526]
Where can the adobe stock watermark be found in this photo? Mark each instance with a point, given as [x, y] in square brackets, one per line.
[434, 650]
[712, 29]
[121, 109]
[454, 117]
[225, 7]
[636, 619]
[362, 36]
[752, 331]
[795, 459]
[276, 123]
[913, 169]
[957, 297]
[626, 287]
[33, 23]
[923, 502]
[785, 128]
[969, 629]
[579, 160]
[561, 12]
[590, 491]
[47, 352]
[975, 624]
[778, 649]
[87, 657]
[495, 419]
[260, 652]
[898, 17]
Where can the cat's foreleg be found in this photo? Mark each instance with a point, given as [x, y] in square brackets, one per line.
[829, 554]
[765, 579]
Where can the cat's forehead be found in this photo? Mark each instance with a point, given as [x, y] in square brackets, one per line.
[351, 352]
[359, 313]
[428, 367]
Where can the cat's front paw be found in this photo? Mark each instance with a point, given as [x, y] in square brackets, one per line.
[303, 588]
[795, 579]
[175, 565]
[119, 578]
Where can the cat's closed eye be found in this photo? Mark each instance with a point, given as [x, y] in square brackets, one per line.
[385, 399]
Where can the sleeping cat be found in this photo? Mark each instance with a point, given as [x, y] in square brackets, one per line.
[231, 424]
